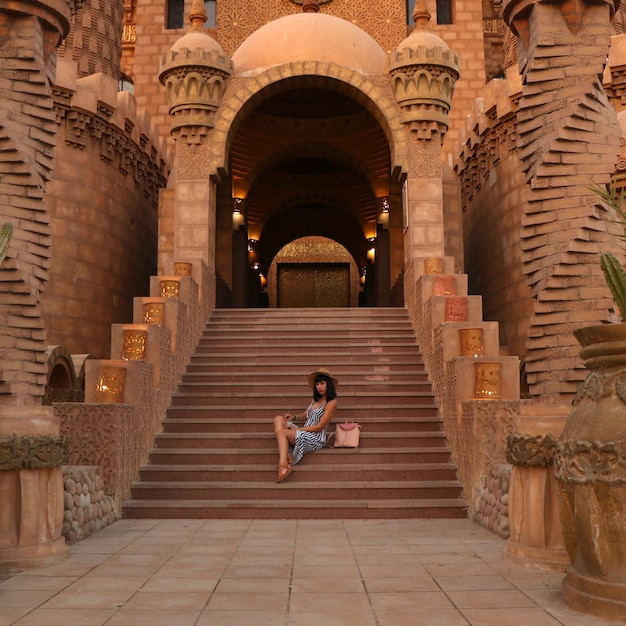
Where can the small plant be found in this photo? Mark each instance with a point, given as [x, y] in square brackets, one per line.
[613, 271]
[6, 232]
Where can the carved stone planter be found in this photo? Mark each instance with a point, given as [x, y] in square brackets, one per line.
[536, 539]
[31, 488]
[591, 469]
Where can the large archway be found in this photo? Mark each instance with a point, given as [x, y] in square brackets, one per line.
[307, 158]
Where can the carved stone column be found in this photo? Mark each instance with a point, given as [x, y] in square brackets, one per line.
[568, 139]
[30, 32]
[194, 74]
[423, 73]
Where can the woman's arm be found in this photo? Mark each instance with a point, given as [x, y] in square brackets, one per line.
[329, 411]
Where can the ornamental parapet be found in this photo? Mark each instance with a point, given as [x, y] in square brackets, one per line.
[91, 109]
[56, 13]
[490, 133]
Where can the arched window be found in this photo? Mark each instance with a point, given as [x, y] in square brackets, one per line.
[175, 13]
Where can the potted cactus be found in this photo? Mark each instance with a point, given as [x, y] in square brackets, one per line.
[590, 462]
[6, 231]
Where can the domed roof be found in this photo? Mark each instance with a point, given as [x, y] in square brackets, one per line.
[309, 37]
[195, 39]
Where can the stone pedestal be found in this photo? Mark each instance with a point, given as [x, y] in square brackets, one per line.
[31, 488]
[536, 539]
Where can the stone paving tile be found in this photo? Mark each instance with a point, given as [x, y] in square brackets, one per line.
[161, 617]
[10, 615]
[183, 600]
[66, 617]
[427, 617]
[241, 618]
[251, 601]
[502, 616]
[288, 573]
[37, 583]
[412, 583]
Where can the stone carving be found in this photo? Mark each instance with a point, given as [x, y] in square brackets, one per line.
[25, 452]
[586, 462]
[598, 385]
[530, 450]
[192, 154]
[425, 150]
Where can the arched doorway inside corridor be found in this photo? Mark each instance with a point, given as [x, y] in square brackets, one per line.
[308, 159]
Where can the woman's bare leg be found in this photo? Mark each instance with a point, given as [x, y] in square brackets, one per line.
[284, 437]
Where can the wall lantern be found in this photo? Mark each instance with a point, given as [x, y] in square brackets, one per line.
[371, 251]
[383, 211]
[238, 217]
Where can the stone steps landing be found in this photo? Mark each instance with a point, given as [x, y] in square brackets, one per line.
[217, 458]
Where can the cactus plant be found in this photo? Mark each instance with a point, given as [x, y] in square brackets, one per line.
[6, 231]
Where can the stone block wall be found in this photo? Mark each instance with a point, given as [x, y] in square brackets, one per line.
[87, 507]
[513, 228]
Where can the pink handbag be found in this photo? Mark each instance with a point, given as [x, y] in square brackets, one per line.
[347, 435]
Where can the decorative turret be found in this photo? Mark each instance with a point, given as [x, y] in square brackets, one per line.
[194, 73]
[424, 71]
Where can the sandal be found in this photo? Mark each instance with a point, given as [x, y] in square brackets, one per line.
[283, 472]
[290, 459]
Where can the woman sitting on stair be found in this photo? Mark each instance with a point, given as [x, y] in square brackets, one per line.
[295, 441]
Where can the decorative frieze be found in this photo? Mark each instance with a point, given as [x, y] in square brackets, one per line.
[531, 450]
[25, 452]
[587, 462]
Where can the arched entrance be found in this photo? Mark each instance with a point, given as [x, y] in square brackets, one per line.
[307, 158]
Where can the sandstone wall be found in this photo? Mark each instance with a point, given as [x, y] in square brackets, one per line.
[494, 192]
[102, 200]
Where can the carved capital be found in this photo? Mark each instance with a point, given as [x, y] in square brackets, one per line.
[530, 450]
[195, 82]
[24, 452]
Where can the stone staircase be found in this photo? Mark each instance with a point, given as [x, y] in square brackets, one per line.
[217, 456]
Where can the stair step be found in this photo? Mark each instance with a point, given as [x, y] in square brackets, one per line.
[231, 456]
[222, 424]
[267, 413]
[265, 440]
[308, 509]
[296, 489]
[265, 472]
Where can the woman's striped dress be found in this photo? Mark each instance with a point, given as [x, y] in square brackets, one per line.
[309, 442]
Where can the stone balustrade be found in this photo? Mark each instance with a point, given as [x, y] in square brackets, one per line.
[477, 386]
[126, 397]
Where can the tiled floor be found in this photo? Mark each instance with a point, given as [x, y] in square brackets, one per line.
[287, 573]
